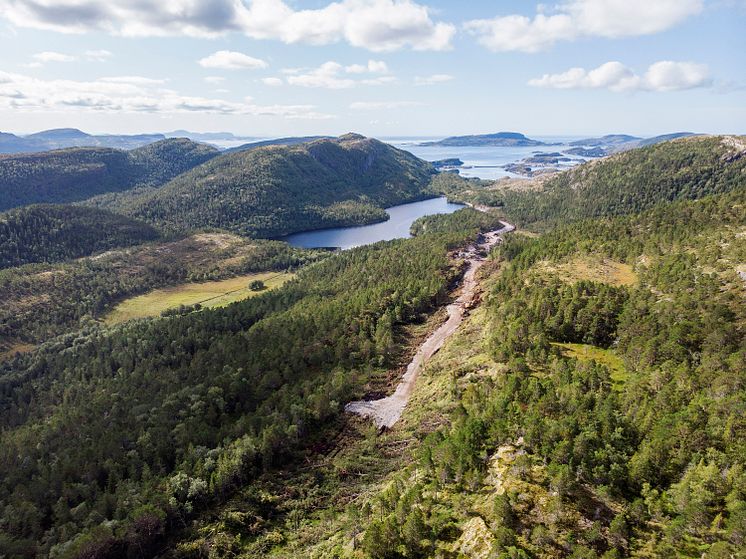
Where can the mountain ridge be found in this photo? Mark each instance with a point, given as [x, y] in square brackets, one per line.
[61, 138]
[75, 174]
[275, 190]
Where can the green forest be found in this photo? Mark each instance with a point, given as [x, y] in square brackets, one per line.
[654, 461]
[76, 174]
[276, 190]
[591, 405]
[184, 410]
[631, 181]
[54, 233]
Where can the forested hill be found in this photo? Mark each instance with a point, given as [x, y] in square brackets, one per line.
[635, 180]
[276, 190]
[75, 174]
[597, 407]
[52, 233]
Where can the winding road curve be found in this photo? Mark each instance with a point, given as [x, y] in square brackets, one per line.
[387, 411]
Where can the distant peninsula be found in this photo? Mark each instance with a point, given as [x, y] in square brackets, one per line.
[608, 140]
[498, 139]
[613, 143]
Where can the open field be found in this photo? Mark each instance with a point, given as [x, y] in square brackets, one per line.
[208, 294]
[607, 357]
[591, 267]
[10, 348]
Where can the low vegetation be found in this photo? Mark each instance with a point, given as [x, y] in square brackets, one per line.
[591, 267]
[205, 294]
[43, 301]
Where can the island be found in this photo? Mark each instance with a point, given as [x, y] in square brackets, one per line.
[545, 158]
[597, 151]
[505, 139]
[448, 164]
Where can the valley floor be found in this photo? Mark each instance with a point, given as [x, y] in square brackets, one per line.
[385, 412]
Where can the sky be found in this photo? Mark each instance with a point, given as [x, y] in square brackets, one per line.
[378, 67]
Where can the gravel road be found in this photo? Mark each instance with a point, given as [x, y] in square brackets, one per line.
[387, 411]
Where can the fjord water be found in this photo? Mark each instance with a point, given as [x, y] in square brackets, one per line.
[397, 226]
[485, 162]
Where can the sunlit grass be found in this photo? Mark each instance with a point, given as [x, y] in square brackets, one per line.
[592, 268]
[607, 357]
[208, 294]
[9, 349]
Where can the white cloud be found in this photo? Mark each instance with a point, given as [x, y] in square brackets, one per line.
[97, 55]
[214, 80]
[272, 82]
[51, 56]
[373, 67]
[133, 80]
[231, 60]
[673, 76]
[125, 94]
[332, 75]
[383, 80]
[327, 76]
[377, 25]
[574, 19]
[434, 79]
[615, 76]
[378, 105]
[41, 58]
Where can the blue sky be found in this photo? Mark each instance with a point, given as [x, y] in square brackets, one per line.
[379, 67]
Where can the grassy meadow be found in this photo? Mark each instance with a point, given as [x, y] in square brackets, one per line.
[208, 294]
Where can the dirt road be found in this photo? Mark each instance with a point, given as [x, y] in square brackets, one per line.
[387, 411]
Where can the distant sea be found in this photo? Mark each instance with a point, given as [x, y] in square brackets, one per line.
[484, 162]
[480, 162]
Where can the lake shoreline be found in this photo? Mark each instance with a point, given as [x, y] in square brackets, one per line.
[400, 219]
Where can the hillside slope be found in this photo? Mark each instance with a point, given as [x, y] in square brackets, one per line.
[75, 174]
[139, 426]
[594, 418]
[41, 301]
[276, 142]
[276, 190]
[50, 233]
[576, 414]
[633, 181]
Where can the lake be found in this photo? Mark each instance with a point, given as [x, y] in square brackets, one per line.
[400, 219]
